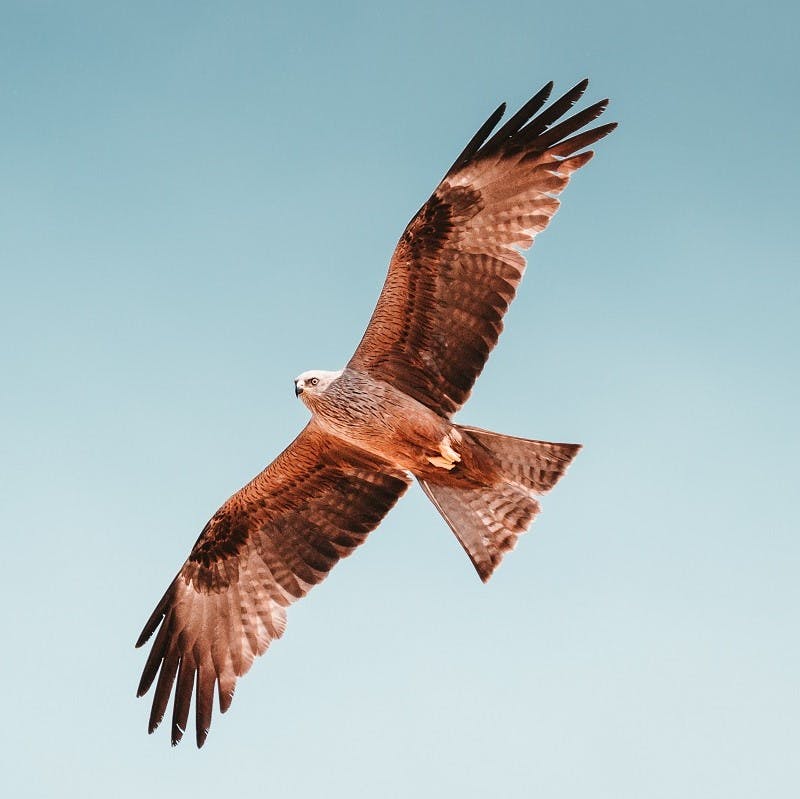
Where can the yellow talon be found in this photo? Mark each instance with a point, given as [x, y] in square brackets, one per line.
[448, 451]
[442, 463]
[449, 457]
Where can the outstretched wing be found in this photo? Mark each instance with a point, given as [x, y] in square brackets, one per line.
[267, 546]
[457, 266]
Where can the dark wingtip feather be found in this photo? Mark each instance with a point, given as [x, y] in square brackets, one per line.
[571, 125]
[478, 139]
[166, 678]
[154, 723]
[177, 734]
[529, 123]
[225, 697]
[183, 698]
[581, 140]
[147, 631]
[556, 110]
[145, 682]
[154, 659]
[515, 122]
[155, 618]
[579, 89]
[204, 702]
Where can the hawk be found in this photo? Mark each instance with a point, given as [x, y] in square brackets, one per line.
[385, 417]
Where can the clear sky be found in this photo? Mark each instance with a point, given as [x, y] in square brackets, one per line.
[199, 202]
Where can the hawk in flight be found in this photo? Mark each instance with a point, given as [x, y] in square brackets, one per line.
[383, 418]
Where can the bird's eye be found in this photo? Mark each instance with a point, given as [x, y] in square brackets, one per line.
[314, 381]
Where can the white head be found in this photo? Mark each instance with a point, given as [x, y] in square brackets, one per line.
[313, 383]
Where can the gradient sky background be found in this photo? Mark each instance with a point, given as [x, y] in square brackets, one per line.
[199, 202]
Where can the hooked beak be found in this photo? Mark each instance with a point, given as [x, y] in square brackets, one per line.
[298, 389]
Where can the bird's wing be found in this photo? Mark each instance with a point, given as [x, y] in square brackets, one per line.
[264, 548]
[457, 265]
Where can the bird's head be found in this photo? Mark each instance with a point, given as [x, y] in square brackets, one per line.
[310, 385]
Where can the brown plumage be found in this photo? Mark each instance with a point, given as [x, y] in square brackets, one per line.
[453, 275]
[457, 265]
[264, 548]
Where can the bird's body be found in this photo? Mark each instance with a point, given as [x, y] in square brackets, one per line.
[372, 415]
[384, 418]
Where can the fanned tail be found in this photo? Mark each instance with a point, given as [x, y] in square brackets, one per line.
[488, 520]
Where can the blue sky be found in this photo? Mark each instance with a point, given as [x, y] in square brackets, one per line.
[199, 203]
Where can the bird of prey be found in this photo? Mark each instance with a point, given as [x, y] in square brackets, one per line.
[384, 418]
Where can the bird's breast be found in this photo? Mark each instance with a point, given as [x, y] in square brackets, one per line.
[375, 416]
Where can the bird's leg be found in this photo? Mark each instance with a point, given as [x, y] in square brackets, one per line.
[448, 457]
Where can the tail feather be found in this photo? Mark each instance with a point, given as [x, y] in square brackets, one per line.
[537, 465]
[488, 520]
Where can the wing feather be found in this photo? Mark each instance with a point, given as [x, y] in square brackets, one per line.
[266, 547]
[458, 265]
[479, 138]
